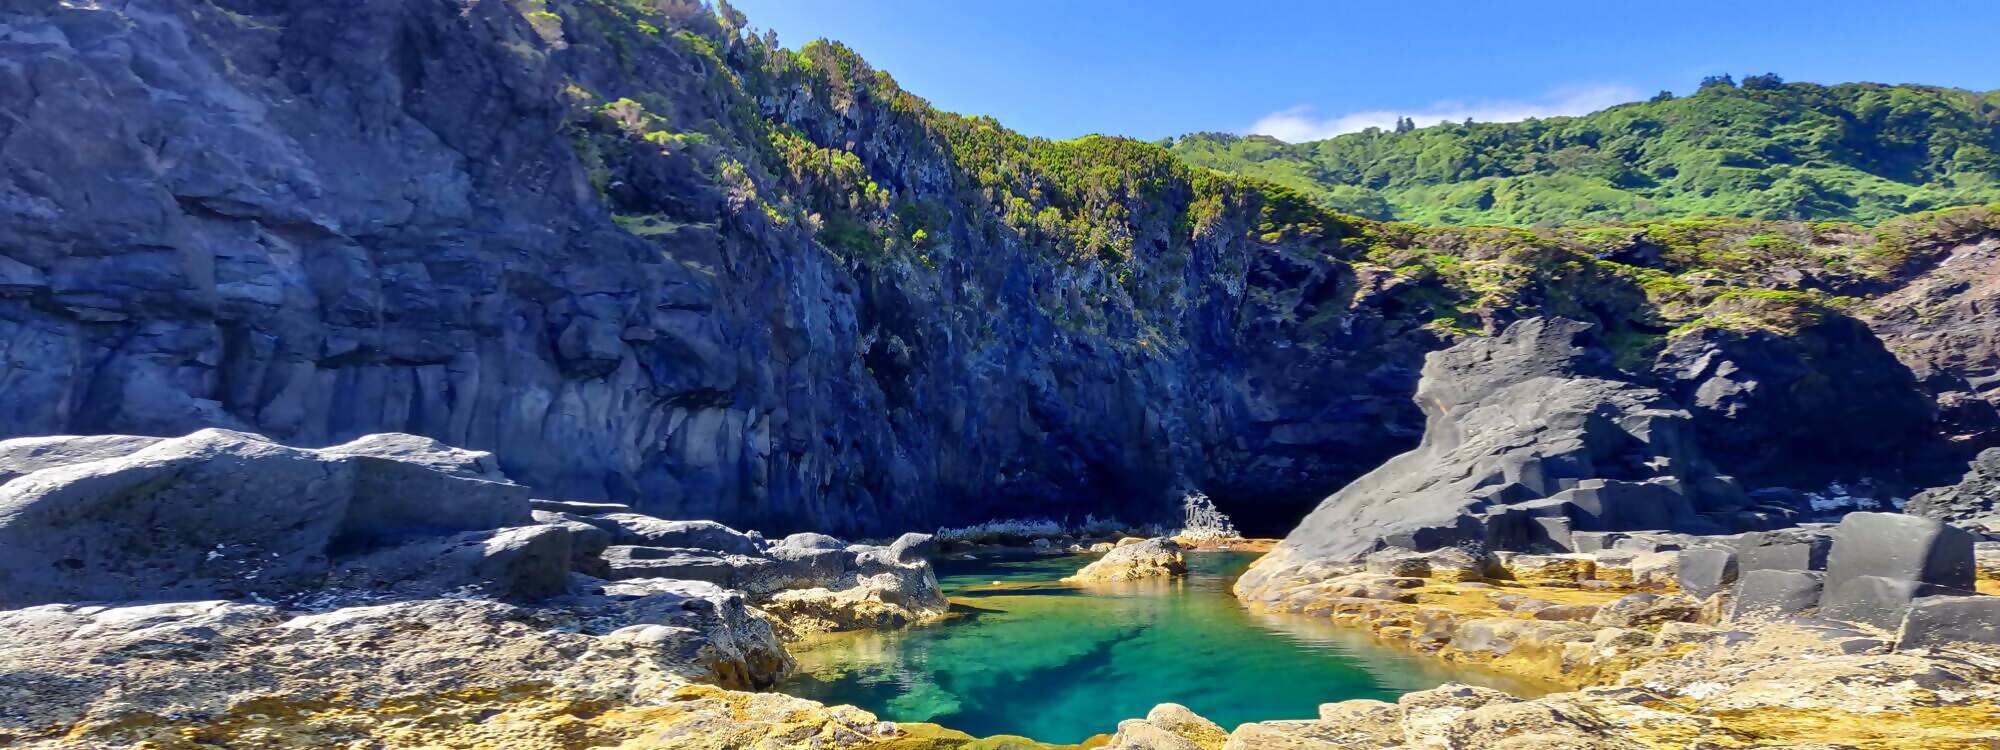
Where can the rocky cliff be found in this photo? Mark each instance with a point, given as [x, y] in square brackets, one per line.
[643, 257]
[641, 253]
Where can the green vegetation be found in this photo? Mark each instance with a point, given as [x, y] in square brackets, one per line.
[1650, 279]
[1761, 207]
[1766, 149]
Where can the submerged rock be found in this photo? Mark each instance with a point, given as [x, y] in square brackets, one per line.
[1152, 558]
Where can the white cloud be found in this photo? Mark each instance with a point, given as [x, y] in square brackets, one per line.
[1303, 123]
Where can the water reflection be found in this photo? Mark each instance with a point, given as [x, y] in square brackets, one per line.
[1025, 655]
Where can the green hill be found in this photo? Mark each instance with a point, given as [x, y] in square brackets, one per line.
[1764, 149]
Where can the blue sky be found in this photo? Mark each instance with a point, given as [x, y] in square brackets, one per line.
[1300, 69]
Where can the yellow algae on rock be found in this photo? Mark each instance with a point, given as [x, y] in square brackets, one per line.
[1151, 558]
[693, 717]
[873, 603]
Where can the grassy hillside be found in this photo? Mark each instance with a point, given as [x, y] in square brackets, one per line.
[1764, 149]
[1739, 206]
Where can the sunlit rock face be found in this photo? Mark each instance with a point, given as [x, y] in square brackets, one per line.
[1529, 438]
[316, 221]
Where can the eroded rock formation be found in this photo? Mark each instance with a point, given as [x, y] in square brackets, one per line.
[1528, 439]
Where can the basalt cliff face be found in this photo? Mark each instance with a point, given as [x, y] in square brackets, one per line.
[568, 234]
[642, 254]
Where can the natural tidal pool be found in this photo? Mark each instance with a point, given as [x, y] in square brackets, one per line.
[1026, 655]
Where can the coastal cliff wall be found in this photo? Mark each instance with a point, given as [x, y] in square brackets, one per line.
[564, 234]
[641, 253]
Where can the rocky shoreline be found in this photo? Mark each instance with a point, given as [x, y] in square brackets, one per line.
[636, 252]
[223, 589]
[391, 591]
[1560, 522]
[588, 625]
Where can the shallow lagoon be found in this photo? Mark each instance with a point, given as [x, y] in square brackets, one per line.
[1026, 655]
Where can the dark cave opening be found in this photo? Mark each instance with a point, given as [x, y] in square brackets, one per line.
[1267, 515]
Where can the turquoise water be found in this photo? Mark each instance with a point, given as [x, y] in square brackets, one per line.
[1028, 656]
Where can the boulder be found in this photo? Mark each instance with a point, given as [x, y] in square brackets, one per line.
[1874, 600]
[1773, 594]
[812, 567]
[646, 531]
[1347, 725]
[1455, 565]
[1429, 714]
[1706, 570]
[215, 514]
[1568, 612]
[1595, 541]
[1797, 408]
[1899, 547]
[913, 547]
[755, 575]
[1644, 610]
[1169, 726]
[1607, 504]
[1397, 562]
[1139, 734]
[1974, 501]
[417, 451]
[578, 507]
[218, 513]
[408, 487]
[587, 542]
[874, 602]
[810, 540]
[1807, 554]
[29, 454]
[1643, 541]
[1152, 558]
[527, 562]
[1944, 621]
[1527, 725]
[1549, 568]
[1655, 569]
[1516, 426]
